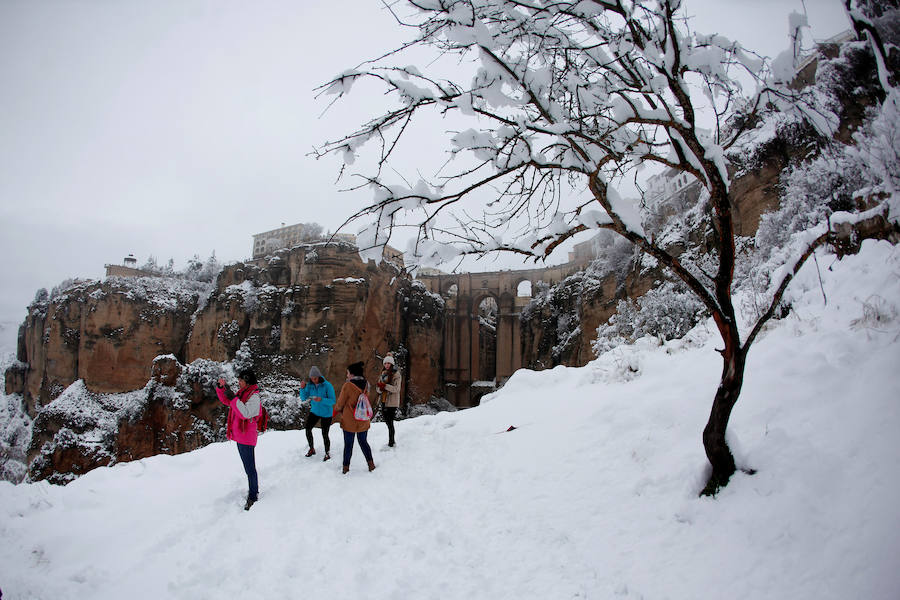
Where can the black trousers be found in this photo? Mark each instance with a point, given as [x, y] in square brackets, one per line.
[389, 413]
[311, 422]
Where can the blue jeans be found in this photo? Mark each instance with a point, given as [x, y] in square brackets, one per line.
[363, 443]
[248, 457]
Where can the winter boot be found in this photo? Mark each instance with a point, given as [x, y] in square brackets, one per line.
[371, 465]
[311, 452]
[326, 457]
[345, 469]
[250, 502]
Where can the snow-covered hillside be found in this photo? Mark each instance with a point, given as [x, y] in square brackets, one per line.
[593, 495]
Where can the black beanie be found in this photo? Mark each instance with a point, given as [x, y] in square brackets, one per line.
[248, 376]
[357, 368]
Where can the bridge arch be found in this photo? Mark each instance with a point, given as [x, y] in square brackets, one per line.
[523, 291]
[466, 357]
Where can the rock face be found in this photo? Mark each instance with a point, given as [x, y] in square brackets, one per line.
[106, 334]
[319, 305]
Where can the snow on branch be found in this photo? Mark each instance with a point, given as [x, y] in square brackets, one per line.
[559, 93]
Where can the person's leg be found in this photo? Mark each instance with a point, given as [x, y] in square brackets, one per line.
[326, 425]
[363, 436]
[389, 413]
[248, 458]
[311, 421]
[348, 448]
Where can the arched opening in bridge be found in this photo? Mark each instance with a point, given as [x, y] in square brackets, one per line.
[524, 289]
[487, 339]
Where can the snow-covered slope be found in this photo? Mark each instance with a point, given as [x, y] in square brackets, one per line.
[594, 495]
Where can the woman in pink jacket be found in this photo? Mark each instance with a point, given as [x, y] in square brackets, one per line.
[244, 411]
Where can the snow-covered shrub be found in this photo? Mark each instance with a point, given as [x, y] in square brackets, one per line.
[285, 409]
[65, 286]
[15, 435]
[877, 313]
[228, 331]
[666, 312]
[243, 358]
[195, 270]
[204, 372]
[432, 407]
[810, 192]
[878, 145]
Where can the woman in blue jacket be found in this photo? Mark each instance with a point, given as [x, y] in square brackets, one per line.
[321, 398]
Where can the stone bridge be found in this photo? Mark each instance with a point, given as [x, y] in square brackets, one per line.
[473, 362]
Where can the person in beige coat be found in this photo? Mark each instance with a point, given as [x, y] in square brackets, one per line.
[346, 404]
[389, 394]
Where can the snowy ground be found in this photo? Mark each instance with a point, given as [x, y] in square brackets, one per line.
[593, 496]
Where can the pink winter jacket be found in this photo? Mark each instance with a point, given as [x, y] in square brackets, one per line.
[241, 428]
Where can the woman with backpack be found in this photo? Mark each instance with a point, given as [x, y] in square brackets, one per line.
[351, 392]
[320, 394]
[244, 410]
[389, 394]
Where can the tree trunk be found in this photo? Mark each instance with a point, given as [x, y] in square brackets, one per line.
[714, 443]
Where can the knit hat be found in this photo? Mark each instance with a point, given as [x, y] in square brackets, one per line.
[248, 376]
[315, 372]
[388, 360]
[357, 368]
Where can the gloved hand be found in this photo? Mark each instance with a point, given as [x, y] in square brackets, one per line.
[380, 385]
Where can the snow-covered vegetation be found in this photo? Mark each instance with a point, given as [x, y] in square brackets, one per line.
[195, 270]
[667, 312]
[15, 435]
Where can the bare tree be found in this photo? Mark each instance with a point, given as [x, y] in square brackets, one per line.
[569, 100]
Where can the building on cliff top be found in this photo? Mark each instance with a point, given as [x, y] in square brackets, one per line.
[288, 236]
[128, 268]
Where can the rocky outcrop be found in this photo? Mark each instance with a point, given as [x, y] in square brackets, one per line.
[176, 411]
[320, 305]
[105, 334]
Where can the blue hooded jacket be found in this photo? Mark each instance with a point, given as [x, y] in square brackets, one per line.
[324, 390]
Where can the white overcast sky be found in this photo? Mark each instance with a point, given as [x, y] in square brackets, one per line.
[180, 127]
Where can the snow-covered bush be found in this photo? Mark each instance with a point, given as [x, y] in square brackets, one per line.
[666, 312]
[878, 145]
[15, 436]
[196, 270]
[810, 192]
[432, 407]
[281, 399]
[243, 358]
